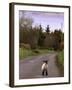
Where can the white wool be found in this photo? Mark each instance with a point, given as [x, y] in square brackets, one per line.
[44, 66]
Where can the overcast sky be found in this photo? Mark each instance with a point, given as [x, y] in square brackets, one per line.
[53, 19]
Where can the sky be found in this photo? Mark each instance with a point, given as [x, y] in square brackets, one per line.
[55, 20]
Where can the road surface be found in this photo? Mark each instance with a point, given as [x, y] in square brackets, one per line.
[31, 67]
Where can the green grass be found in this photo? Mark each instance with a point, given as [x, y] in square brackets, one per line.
[61, 57]
[23, 53]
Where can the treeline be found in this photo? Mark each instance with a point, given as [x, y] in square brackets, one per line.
[36, 37]
[33, 37]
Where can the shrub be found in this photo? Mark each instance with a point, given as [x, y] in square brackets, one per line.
[26, 46]
[36, 51]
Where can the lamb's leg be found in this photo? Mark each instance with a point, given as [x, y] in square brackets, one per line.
[43, 72]
[46, 73]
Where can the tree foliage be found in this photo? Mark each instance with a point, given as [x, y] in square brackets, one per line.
[35, 37]
[48, 29]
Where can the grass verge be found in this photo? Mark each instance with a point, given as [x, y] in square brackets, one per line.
[61, 57]
[23, 53]
[60, 62]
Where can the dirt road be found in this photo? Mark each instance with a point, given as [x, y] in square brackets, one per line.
[31, 67]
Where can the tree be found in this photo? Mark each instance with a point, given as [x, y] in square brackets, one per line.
[33, 38]
[25, 24]
[57, 39]
[48, 29]
[41, 36]
[49, 41]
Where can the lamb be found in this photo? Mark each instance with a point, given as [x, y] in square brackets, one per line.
[44, 68]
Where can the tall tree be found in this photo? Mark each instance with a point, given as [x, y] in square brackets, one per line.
[48, 29]
[41, 36]
[57, 39]
[25, 24]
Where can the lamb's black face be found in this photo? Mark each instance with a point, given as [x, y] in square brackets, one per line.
[45, 62]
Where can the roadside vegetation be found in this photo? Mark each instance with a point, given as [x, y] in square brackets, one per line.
[60, 61]
[61, 57]
[24, 53]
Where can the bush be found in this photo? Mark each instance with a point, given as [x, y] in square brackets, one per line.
[36, 51]
[61, 45]
[61, 57]
[50, 48]
[26, 46]
[60, 63]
